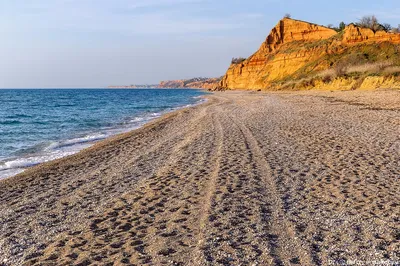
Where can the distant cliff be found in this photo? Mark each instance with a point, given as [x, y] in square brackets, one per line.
[302, 55]
[200, 83]
[146, 86]
[193, 83]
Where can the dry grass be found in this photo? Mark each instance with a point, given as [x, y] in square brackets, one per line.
[327, 72]
[369, 67]
[386, 68]
[346, 70]
[392, 70]
[327, 75]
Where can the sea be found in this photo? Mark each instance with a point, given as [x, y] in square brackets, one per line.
[39, 125]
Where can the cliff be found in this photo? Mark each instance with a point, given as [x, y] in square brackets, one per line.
[297, 51]
[179, 83]
[134, 86]
[198, 83]
[193, 83]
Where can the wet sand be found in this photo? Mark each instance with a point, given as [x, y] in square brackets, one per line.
[245, 179]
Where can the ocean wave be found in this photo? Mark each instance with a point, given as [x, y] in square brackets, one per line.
[16, 116]
[140, 120]
[96, 129]
[10, 122]
[24, 162]
[65, 105]
[137, 119]
[47, 152]
[31, 150]
[75, 141]
[18, 163]
[10, 172]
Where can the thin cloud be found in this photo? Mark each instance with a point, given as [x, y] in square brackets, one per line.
[84, 16]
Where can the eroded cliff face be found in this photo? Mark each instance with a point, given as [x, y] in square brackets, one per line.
[295, 49]
[354, 35]
[289, 30]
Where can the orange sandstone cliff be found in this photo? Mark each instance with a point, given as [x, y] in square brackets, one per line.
[354, 35]
[297, 50]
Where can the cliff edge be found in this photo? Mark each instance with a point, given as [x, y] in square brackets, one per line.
[302, 55]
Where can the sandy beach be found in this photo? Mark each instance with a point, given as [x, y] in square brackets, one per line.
[247, 178]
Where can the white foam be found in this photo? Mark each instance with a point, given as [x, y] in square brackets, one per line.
[24, 162]
[155, 114]
[55, 150]
[137, 119]
[85, 139]
[10, 172]
[18, 163]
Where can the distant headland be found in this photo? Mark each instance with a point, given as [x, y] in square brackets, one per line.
[147, 86]
[193, 83]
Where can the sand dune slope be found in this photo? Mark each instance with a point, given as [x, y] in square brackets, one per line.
[245, 179]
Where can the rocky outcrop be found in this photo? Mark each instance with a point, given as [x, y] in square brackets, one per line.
[354, 34]
[296, 49]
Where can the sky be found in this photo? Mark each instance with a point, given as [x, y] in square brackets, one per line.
[97, 43]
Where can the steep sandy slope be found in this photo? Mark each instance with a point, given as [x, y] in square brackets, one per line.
[296, 50]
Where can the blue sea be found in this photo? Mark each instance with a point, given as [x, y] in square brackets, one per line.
[39, 125]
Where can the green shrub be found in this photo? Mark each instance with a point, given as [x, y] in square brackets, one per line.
[238, 60]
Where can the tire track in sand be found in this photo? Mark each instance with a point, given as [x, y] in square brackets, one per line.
[199, 255]
[284, 243]
[166, 171]
[235, 232]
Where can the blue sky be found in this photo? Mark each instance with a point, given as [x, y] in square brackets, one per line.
[96, 43]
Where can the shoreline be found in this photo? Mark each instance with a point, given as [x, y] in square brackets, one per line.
[97, 145]
[80, 142]
[245, 177]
